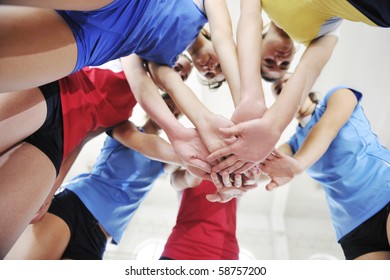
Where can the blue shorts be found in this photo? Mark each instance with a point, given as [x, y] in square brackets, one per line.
[87, 240]
[378, 11]
[370, 236]
[49, 138]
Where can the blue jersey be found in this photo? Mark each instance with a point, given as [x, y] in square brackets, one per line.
[156, 30]
[119, 181]
[354, 171]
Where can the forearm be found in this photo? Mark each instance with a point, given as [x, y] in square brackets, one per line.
[156, 108]
[250, 26]
[314, 147]
[148, 96]
[301, 82]
[223, 44]
[226, 51]
[188, 103]
[150, 145]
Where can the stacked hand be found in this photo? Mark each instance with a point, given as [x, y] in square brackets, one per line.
[231, 186]
[255, 136]
[280, 168]
[230, 152]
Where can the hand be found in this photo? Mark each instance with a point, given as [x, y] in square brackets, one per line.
[248, 109]
[255, 141]
[209, 131]
[191, 150]
[280, 168]
[231, 164]
[198, 172]
[251, 176]
[225, 189]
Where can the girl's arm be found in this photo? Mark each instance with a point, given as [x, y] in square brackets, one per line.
[249, 39]
[257, 138]
[240, 62]
[339, 109]
[186, 142]
[223, 42]
[283, 168]
[206, 122]
[148, 96]
[313, 60]
[150, 145]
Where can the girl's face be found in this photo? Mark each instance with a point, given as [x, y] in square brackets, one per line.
[183, 66]
[277, 52]
[207, 63]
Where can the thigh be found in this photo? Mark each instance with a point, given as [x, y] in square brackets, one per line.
[44, 240]
[21, 114]
[37, 47]
[27, 176]
[82, 5]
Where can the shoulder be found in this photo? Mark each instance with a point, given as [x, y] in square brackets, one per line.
[341, 91]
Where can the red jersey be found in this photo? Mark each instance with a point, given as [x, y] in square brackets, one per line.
[204, 230]
[93, 98]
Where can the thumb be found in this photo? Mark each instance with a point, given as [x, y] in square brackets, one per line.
[214, 197]
[231, 131]
[200, 164]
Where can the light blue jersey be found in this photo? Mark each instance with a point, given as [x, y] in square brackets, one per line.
[118, 183]
[354, 171]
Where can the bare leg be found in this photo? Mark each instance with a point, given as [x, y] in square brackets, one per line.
[45, 240]
[383, 255]
[24, 112]
[27, 176]
[37, 47]
[80, 5]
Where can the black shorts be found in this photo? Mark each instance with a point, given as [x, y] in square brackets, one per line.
[370, 236]
[87, 240]
[164, 258]
[49, 138]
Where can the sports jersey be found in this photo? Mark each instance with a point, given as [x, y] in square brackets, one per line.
[93, 98]
[306, 20]
[118, 183]
[354, 171]
[156, 30]
[204, 230]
